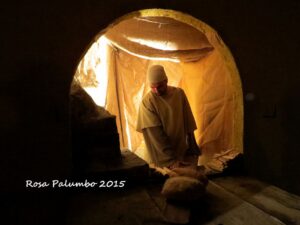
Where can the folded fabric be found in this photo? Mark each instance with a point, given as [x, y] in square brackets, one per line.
[183, 188]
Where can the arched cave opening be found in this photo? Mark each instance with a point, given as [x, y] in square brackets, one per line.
[110, 82]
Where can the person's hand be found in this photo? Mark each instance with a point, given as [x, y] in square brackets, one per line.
[179, 164]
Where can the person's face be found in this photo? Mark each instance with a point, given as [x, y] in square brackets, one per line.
[159, 88]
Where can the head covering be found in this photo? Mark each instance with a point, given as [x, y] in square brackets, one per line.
[156, 74]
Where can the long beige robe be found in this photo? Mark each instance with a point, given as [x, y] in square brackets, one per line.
[165, 122]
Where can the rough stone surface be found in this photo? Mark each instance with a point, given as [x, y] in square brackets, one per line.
[129, 166]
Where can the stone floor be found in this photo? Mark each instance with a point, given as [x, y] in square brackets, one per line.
[228, 200]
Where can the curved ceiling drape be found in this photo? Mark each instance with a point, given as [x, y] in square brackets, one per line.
[159, 37]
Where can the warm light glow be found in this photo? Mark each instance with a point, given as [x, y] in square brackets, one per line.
[143, 56]
[168, 46]
[92, 72]
[128, 132]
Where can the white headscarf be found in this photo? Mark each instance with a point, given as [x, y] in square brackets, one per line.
[156, 73]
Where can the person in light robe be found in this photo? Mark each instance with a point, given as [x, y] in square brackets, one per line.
[167, 123]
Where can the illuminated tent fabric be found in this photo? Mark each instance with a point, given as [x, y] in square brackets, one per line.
[159, 37]
[206, 71]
